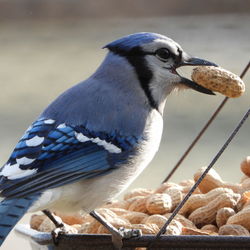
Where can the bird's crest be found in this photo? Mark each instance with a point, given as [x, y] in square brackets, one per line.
[134, 40]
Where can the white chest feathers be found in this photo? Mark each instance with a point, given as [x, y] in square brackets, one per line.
[92, 193]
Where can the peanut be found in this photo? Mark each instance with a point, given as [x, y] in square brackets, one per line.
[219, 80]
[89, 227]
[164, 186]
[106, 213]
[36, 221]
[245, 166]
[244, 201]
[207, 214]
[46, 226]
[92, 228]
[135, 217]
[194, 231]
[210, 228]
[137, 192]
[158, 204]
[94, 224]
[247, 204]
[233, 229]
[70, 219]
[245, 185]
[187, 185]
[118, 211]
[183, 220]
[246, 198]
[223, 214]
[117, 204]
[213, 180]
[175, 228]
[77, 227]
[157, 219]
[84, 228]
[147, 228]
[241, 218]
[199, 200]
[87, 218]
[176, 196]
[138, 204]
[102, 230]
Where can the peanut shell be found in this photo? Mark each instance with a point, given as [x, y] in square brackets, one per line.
[159, 204]
[36, 221]
[219, 80]
[135, 217]
[207, 214]
[138, 204]
[241, 218]
[233, 229]
[223, 214]
[137, 192]
[245, 166]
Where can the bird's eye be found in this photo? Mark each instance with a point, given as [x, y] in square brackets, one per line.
[163, 54]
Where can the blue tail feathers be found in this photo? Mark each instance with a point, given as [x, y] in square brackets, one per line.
[11, 211]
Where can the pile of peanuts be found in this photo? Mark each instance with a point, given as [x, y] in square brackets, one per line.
[215, 208]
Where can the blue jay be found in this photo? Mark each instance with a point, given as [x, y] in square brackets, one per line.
[92, 141]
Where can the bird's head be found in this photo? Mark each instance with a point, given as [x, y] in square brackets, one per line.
[155, 59]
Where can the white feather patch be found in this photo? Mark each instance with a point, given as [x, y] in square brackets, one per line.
[63, 125]
[14, 171]
[24, 173]
[49, 121]
[35, 141]
[81, 138]
[24, 161]
[107, 145]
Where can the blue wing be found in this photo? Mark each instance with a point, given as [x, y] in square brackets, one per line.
[50, 155]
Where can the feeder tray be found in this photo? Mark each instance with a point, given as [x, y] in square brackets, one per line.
[43, 241]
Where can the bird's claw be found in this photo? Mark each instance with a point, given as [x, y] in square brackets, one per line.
[56, 232]
[129, 233]
[124, 233]
[117, 235]
[62, 229]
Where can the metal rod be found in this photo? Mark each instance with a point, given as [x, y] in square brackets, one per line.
[202, 130]
[55, 220]
[184, 242]
[116, 236]
[177, 209]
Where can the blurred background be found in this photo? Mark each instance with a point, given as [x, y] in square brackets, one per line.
[47, 46]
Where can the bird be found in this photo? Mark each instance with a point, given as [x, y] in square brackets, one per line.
[95, 138]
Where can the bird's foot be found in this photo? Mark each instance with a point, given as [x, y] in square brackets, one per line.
[129, 233]
[117, 235]
[61, 228]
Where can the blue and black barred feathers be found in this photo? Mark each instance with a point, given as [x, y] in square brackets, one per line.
[45, 141]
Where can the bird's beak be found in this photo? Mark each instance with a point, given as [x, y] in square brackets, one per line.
[194, 61]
